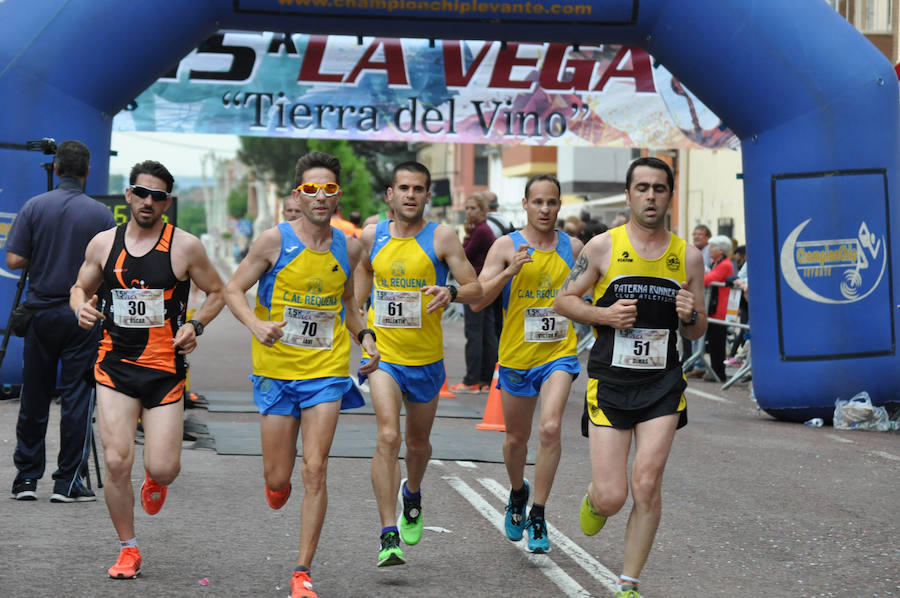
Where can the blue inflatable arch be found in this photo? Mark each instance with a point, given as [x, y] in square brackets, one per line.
[814, 104]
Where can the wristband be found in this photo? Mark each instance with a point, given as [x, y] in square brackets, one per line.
[364, 332]
[693, 319]
[453, 292]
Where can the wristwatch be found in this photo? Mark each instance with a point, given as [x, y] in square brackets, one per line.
[453, 292]
[198, 327]
[693, 319]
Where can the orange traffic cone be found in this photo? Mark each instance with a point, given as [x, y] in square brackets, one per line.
[445, 390]
[493, 410]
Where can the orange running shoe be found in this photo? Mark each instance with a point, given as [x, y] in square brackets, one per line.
[463, 387]
[276, 500]
[128, 566]
[153, 495]
[301, 585]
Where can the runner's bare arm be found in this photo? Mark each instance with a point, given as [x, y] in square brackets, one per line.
[363, 273]
[201, 272]
[82, 295]
[355, 320]
[691, 295]
[450, 250]
[258, 261]
[592, 262]
[500, 265]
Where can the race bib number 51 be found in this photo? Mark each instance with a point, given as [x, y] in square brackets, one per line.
[138, 308]
[641, 348]
[398, 309]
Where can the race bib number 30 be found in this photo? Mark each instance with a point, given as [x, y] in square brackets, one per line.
[309, 328]
[641, 348]
[543, 325]
[398, 309]
[138, 308]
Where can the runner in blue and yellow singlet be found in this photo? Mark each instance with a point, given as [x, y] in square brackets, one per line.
[301, 350]
[404, 272]
[646, 283]
[537, 354]
[142, 273]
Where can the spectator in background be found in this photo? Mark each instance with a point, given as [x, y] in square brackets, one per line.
[49, 236]
[620, 219]
[572, 225]
[480, 328]
[701, 237]
[739, 281]
[592, 229]
[722, 270]
[290, 209]
[497, 223]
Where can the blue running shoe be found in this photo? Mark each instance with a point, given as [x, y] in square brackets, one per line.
[515, 516]
[538, 542]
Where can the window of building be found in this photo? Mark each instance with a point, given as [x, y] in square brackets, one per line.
[838, 5]
[873, 16]
[480, 167]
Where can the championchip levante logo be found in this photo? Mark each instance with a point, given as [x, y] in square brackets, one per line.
[834, 271]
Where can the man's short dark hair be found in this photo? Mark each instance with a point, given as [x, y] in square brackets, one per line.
[72, 159]
[705, 229]
[153, 168]
[542, 177]
[317, 160]
[412, 166]
[652, 163]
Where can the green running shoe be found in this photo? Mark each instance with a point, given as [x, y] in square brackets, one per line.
[628, 591]
[591, 522]
[410, 520]
[390, 553]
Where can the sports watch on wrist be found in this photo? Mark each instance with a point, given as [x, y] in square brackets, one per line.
[198, 327]
[453, 292]
[693, 319]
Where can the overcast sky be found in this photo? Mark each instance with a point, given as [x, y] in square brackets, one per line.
[180, 153]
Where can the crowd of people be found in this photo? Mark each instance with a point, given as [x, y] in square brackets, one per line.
[114, 311]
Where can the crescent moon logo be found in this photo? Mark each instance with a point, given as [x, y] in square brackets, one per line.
[850, 280]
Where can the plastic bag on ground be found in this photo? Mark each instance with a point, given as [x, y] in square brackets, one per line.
[859, 414]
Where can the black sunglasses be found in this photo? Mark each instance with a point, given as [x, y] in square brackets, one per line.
[143, 192]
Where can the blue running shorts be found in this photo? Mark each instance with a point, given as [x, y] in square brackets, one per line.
[420, 383]
[527, 383]
[288, 397]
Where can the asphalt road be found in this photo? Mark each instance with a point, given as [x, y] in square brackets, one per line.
[752, 507]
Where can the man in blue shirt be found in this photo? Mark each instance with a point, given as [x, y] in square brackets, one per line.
[49, 236]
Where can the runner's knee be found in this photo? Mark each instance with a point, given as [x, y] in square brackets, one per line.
[607, 500]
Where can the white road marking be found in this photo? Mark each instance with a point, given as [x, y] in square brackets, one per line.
[885, 455]
[467, 464]
[551, 570]
[707, 395]
[436, 462]
[840, 439]
[582, 558]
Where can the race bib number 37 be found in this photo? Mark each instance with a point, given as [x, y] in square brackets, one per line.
[543, 325]
[641, 348]
[309, 328]
[398, 309]
[138, 308]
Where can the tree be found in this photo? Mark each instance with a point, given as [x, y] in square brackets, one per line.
[273, 156]
[192, 218]
[237, 200]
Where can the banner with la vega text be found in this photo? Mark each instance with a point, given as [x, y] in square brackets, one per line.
[309, 86]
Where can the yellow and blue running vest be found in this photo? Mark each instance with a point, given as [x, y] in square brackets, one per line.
[305, 288]
[533, 334]
[650, 349]
[402, 266]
